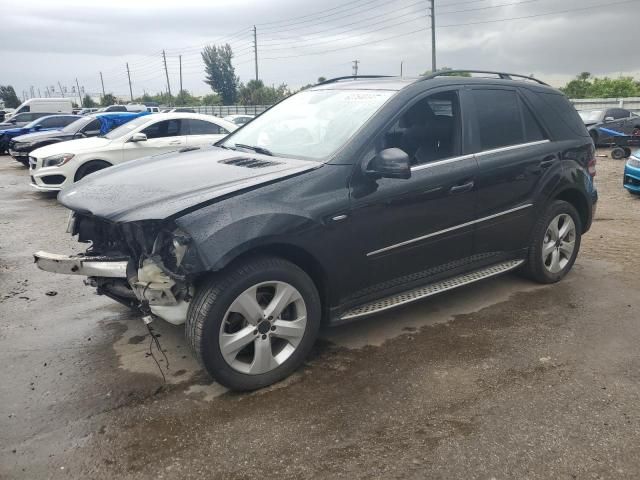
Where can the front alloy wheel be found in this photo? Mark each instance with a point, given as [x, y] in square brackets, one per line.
[254, 324]
[263, 327]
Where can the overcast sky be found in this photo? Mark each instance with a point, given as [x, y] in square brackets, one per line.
[43, 42]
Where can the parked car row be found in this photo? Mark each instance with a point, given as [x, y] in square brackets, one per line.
[616, 119]
[342, 201]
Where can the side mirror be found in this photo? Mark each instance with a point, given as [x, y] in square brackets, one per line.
[92, 133]
[38, 127]
[609, 119]
[390, 163]
[138, 137]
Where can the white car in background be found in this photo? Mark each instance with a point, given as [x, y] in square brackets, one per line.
[239, 119]
[55, 166]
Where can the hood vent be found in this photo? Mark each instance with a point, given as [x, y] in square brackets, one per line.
[249, 162]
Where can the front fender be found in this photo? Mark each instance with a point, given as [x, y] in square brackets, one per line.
[216, 244]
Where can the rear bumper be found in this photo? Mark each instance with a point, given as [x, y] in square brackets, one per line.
[79, 265]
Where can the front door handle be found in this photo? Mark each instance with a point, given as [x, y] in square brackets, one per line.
[465, 187]
[175, 142]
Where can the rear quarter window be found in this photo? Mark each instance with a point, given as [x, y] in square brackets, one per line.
[554, 107]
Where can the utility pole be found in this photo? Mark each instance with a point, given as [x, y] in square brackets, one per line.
[102, 82]
[401, 64]
[164, 58]
[255, 49]
[79, 93]
[61, 92]
[355, 67]
[433, 37]
[33, 92]
[39, 95]
[46, 92]
[180, 62]
[129, 77]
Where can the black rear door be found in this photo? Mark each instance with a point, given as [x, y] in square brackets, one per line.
[513, 153]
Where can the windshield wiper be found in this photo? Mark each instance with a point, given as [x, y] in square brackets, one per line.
[256, 149]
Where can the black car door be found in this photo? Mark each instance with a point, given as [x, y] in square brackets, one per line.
[513, 153]
[409, 229]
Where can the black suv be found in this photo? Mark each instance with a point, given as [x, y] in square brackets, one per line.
[344, 200]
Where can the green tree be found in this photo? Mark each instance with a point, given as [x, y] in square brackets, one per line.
[211, 99]
[9, 97]
[220, 74]
[185, 98]
[108, 99]
[321, 79]
[256, 93]
[579, 87]
[87, 102]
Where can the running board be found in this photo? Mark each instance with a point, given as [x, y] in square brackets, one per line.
[428, 290]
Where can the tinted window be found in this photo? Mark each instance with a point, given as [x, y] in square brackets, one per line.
[24, 117]
[618, 113]
[428, 131]
[200, 127]
[499, 121]
[562, 108]
[57, 122]
[166, 128]
[93, 125]
[24, 109]
[532, 129]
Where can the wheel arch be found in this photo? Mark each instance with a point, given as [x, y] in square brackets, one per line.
[580, 202]
[83, 165]
[295, 254]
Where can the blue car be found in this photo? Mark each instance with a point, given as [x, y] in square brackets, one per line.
[632, 173]
[83, 127]
[51, 122]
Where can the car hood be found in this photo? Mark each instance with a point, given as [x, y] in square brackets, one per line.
[14, 131]
[79, 145]
[170, 185]
[36, 136]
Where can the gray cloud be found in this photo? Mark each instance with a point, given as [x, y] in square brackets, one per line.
[42, 42]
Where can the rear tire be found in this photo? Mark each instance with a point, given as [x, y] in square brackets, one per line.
[554, 244]
[255, 324]
[89, 168]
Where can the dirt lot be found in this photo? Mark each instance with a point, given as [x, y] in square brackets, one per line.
[504, 379]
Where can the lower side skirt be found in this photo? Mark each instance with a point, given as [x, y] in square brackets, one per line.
[429, 290]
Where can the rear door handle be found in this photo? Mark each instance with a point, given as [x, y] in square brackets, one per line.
[465, 187]
[547, 162]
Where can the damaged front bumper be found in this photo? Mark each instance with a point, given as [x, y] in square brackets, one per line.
[149, 287]
[110, 267]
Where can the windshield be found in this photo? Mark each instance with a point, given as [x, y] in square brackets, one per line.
[591, 116]
[128, 127]
[33, 123]
[310, 125]
[73, 127]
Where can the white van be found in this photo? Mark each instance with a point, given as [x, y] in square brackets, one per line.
[46, 105]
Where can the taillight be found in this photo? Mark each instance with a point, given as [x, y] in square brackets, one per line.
[591, 166]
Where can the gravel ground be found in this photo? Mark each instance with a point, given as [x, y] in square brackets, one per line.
[503, 379]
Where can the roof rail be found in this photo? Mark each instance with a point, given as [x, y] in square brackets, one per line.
[352, 77]
[502, 75]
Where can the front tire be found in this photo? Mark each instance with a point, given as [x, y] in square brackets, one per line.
[255, 324]
[89, 168]
[555, 243]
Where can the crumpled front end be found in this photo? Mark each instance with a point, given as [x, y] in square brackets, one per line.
[145, 265]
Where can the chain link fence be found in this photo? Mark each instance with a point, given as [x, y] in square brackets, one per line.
[224, 110]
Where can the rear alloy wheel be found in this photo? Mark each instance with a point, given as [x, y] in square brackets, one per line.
[255, 324]
[555, 243]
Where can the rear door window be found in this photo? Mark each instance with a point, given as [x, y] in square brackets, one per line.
[200, 127]
[499, 120]
[165, 128]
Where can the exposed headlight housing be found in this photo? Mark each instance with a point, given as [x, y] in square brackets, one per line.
[57, 160]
